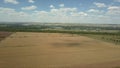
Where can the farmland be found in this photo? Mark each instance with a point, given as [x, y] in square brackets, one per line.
[3, 35]
[57, 50]
[59, 33]
[59, 45]
[105, 32]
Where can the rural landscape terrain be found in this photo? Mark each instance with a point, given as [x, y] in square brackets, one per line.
[59, 45]
[59, 33]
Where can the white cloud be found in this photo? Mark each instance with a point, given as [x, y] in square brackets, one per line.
[93, 10]
[29, 7]
[41, 13]
[100, 5]
[82, 14]
[79, 14]
[11, 1]
[11, 12]
[52, 6]
[11, 15]
[6, 10]
[61, 5]
[31, 1]
[96, 11]
[114, 10]
[63, 11]
[61, 15]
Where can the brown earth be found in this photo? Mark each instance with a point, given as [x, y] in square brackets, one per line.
[4, 34]
[54, 50]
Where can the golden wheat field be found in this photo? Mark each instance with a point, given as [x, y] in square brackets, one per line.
[54, 50]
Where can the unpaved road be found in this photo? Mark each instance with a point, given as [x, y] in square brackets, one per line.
[54, 50]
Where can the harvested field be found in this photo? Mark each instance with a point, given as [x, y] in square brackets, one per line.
[4, 35]
[54, 50]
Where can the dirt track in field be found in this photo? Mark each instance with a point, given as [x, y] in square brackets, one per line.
[54, 50]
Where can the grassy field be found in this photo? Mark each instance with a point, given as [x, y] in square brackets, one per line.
[55, 50]
[114, 39]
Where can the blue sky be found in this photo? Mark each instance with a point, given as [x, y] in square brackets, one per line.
[60, 11]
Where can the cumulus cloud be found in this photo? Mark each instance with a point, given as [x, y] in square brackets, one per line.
[61, 5]
[52, 6]
[63, 11]
[11, 15]
[79, 14]
[11, 12]
[93, 10]
[11, 1]
[61, 15]
[114, 10]
[31, 1]
[82, 14]
[100, 5]
[29, 7]
[7, 10]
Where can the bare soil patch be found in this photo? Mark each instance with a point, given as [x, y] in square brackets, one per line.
[4, 35]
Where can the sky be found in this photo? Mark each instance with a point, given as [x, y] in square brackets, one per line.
[61, 11]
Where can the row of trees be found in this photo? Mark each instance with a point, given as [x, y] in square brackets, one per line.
[115, 40]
